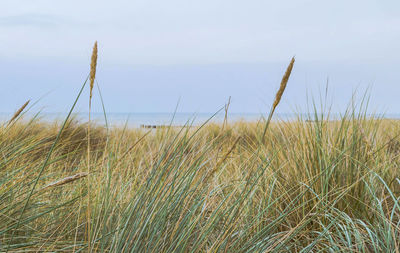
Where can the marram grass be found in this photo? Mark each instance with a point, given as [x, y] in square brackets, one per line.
[309, 186]
[319, 186]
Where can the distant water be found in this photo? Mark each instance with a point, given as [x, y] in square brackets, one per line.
[138, 119]
[178, 119]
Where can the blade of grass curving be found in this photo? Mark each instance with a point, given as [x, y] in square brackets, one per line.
[103, 107]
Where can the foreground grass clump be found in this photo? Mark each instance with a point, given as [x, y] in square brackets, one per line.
[308, 186]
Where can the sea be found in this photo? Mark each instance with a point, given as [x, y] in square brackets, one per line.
[143, 119]
[164, 119]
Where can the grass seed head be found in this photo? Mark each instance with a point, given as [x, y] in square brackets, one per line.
[93, 65]
[284, 81]
[18, 112]
[66, 180]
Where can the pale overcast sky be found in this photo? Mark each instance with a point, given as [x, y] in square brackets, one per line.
[153, 52]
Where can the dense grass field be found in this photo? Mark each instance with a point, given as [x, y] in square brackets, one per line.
[313, 184]
[309, 186]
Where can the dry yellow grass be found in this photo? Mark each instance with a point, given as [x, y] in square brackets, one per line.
[329, 171]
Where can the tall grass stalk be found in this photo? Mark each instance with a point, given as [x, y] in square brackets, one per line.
[93, 66]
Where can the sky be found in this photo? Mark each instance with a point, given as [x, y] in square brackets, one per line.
[154, 53]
